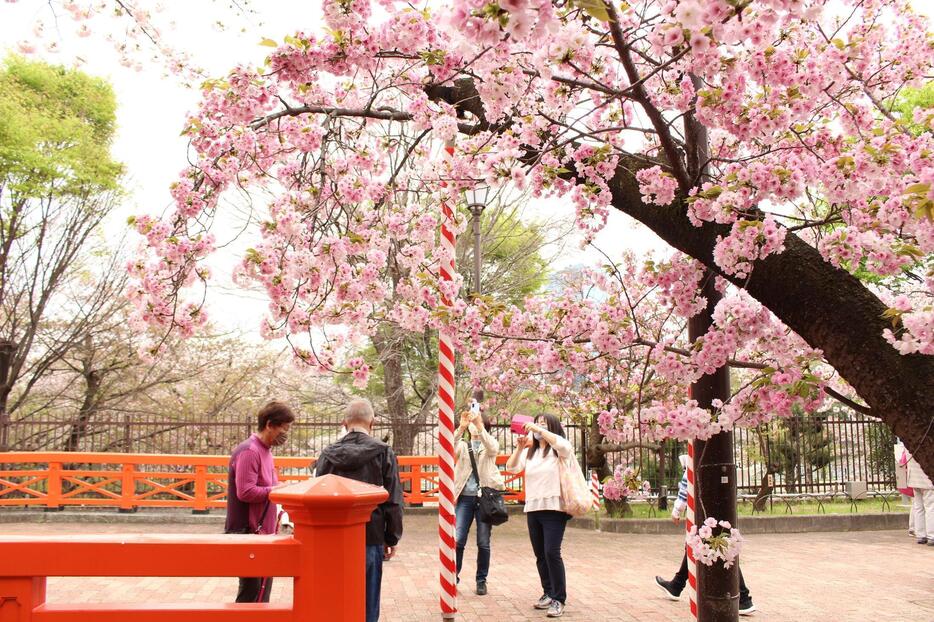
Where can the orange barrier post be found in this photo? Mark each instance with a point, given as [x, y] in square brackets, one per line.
[325, 555]
[128, 488]
[330, 513]
[53, 499]
[201, 490]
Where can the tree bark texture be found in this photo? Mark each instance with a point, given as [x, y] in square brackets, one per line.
[79, 428]
[715, 479]
[388, 344]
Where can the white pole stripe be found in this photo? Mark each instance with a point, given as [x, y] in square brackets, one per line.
[446, 394]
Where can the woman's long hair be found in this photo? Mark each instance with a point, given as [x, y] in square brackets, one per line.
[553, 425]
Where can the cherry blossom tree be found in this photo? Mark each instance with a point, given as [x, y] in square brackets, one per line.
[758, 137]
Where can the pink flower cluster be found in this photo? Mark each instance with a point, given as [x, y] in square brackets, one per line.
[624, 484]
[657, 187]
[749, 240]
[715, 541]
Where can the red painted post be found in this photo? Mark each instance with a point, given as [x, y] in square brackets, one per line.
[127, 488]
[19, 596]
[53, 498]
[200, 503]
[330, 514]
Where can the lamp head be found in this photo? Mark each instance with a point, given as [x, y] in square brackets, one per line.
[477, 196]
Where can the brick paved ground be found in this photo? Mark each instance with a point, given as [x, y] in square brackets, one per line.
[826, 577]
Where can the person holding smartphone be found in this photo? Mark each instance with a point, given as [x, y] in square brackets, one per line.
[474, 468]
[539, 454]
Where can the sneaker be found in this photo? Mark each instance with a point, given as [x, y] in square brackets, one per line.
[746, 607]
[555, 609]
[911, 532]
[544, 602]
[481, 588]
[922, 540]
[670, 592]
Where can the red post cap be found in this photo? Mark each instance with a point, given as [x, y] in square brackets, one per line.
[329, 500]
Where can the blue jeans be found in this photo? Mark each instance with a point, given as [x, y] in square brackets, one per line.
[546, 531]
[374, 579]
[465, 514]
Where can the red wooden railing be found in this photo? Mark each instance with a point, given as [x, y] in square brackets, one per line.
[329, 514]
[129, 481]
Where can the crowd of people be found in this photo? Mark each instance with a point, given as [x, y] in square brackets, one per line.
[541, 452]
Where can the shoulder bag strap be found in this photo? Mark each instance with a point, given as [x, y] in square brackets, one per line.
[473, 462]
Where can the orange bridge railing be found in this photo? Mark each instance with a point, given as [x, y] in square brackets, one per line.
[54, 480]
[329, 514]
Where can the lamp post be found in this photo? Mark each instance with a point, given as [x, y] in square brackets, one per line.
[476, 202]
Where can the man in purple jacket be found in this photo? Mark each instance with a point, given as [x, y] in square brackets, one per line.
[251, 476]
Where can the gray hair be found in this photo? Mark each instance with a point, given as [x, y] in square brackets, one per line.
[359, 411]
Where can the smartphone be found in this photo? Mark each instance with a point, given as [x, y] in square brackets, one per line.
[475, 407]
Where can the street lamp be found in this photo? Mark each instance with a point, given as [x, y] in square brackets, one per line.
[476, 201]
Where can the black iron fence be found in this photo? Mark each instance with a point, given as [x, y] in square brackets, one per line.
[802, 454]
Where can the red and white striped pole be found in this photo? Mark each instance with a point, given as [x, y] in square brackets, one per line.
[688, 523]
[595, 490]
[446, 388]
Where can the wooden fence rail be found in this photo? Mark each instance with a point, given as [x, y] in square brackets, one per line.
[54, 480]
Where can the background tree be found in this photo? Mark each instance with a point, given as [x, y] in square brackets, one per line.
[57, 184]
[796, 448]
[514, 265]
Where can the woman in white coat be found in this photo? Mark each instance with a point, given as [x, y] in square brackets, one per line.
[483, 448]
[922, 504]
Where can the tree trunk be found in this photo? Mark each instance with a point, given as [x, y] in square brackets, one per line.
[6, 355]
[79, 428]
[388, 344]
[828, 307]
[762, 495]
[5, 422]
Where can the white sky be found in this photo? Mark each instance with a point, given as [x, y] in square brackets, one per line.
[152, 110]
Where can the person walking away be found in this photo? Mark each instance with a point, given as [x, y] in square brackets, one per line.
[901, 481]
[922, 504]
[359, 456]
[475, 467]
[539, 453]
[251, 475]
[673, 588]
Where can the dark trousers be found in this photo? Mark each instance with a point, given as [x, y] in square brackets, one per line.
[374, 580]
[546, 531]
[254, 589]
[466, 513]
[681, 579]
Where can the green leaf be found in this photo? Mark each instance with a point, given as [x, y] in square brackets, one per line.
[269, 43]
[594, 8]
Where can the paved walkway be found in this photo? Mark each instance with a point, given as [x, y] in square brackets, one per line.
[826, 577]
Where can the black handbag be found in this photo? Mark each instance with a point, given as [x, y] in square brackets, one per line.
[492, 507]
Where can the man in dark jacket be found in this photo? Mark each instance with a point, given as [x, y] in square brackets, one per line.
[361, 457]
